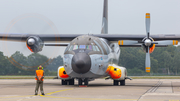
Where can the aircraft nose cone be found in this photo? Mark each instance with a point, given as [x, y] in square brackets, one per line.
[81, 63]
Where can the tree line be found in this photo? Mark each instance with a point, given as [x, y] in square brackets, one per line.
[18, 64]
[164, 61]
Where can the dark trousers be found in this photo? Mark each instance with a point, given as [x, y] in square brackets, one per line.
[39, 83]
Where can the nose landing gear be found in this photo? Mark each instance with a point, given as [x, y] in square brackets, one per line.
[81, 81]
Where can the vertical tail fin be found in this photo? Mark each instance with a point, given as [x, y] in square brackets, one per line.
[105, 18]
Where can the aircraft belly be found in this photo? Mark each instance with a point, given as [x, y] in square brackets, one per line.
[99, 64]
[86, 75]
[67, 63]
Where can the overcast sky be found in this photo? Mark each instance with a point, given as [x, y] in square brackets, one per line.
[85, 16]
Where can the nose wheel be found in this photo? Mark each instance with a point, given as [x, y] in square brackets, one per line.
[81, 81]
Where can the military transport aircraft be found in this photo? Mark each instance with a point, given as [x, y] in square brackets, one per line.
[92, 56]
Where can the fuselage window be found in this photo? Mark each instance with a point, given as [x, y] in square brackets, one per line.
[75, 47]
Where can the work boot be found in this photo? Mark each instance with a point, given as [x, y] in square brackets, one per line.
[42, 93]
[35, 93]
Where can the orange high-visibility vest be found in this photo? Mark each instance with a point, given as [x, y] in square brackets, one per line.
[39, 74]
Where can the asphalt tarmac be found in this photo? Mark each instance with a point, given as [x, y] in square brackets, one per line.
[97, 90]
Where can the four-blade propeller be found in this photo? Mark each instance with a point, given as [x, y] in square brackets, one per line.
[147, 43]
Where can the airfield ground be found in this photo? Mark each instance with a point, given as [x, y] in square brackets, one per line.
[98, 90]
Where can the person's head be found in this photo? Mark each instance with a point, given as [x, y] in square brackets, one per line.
[40, 67]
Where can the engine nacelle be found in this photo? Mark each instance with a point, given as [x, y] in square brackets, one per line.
[61, 74]
[117, 72]
[151, 48]
[34, 44]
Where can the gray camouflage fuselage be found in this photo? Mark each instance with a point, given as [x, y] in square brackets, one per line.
[89, 57]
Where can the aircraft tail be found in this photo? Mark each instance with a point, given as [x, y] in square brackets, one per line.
[105, 18]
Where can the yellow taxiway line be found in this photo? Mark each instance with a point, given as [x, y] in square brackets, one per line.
[78, 98]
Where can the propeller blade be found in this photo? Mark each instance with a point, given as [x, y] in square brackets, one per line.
[167, 42]
[127, 42]
[33, 24]
[148, 24]
[147, 61]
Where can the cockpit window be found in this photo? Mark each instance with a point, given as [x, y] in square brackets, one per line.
[82, 46]
[97, 49]
[89, 47]
[75, 47]
[71, 48]
[94, 48]
[67, 47]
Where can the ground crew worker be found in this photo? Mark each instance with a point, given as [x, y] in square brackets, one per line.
[39, 79]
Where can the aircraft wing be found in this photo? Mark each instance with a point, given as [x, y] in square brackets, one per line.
[44, 37]
[69, 37]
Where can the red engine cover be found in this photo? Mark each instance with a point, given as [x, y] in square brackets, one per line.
[62, 73]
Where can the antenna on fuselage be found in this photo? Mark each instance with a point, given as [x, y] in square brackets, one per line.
[105, 18]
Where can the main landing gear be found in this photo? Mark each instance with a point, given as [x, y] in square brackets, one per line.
[116, 82]
[80, 81]
[68, 82]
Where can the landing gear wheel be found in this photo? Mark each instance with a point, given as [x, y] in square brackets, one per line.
[122, 82]
[71, 82]
[79, 81]
[63, 82]
[115, 82]
[86, 82]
